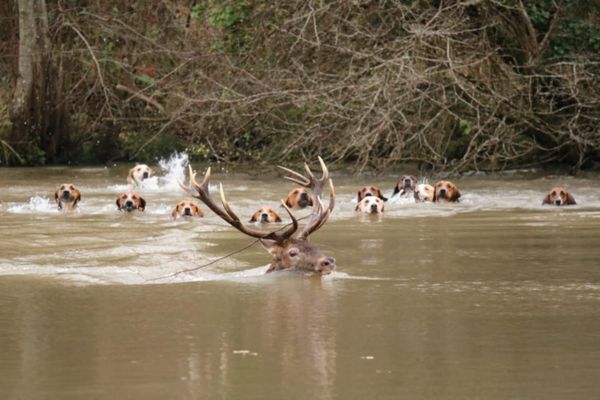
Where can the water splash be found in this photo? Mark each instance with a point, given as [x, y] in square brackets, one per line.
[36, 203]
[175, 168]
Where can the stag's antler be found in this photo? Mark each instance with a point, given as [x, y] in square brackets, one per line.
[201, 192]
[319, 214]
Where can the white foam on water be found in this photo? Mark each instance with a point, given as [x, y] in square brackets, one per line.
[36, 204]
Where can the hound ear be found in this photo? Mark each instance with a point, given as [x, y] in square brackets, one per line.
[174, 213]
[56, 196]
[357, 208]
[118, 202]
[277, 218]
[143, 203]
[396, 190]
[198, 211]
[358, 196]
[77, 197]
[457, 195]
[289, 203]
[570, 200]
[253, 219]
[546, 199]
[150, 171]
[381, 196]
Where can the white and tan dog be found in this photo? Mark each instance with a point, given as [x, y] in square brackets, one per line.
[130, 202]
[298, 198]
[265, 215]
[137, 174]
[406, 185]
[559, 196]
[186, 208]
[424, 192]
[67, 196]
[370, 205]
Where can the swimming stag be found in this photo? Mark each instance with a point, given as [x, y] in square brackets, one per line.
[288, 253]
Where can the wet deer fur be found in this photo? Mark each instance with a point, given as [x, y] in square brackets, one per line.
[288, 253]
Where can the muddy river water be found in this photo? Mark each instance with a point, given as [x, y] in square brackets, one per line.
[496, 297]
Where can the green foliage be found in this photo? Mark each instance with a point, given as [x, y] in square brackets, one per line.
[34, 156]
[576, 32]
[142, 147]
[228, 16]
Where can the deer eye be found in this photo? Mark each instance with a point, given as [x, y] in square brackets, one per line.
[292, 252]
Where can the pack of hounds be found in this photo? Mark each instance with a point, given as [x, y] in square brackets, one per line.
[369, 199]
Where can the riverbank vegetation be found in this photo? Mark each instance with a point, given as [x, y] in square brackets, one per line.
[450, 85]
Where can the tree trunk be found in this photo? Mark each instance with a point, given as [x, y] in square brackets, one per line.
[37, 131]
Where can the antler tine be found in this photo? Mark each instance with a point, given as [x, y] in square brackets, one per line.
[204, 184]
[290, 231]
[320, 214]
[299, 178]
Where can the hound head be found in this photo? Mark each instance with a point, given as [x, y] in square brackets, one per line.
[367, 191]
[558, 196]
[186, 208]
[299, 198]
[67, 195]
[265, 215]
[138, 173]
[406, 183]
[130, 202]
[370, 205]
[446, 191]
[424, 192]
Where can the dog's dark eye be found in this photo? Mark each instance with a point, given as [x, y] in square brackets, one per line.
[562, 193]
[553, 193]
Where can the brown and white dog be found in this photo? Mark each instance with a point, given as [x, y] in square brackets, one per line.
[298, 198]
[138, 173]
[186, 208]
[368, 191]
[130, 201]
[370, 205]
[67, 196]
[265, 215]
[406, 184]
[424, 192]
[558, 196]
[446, 191]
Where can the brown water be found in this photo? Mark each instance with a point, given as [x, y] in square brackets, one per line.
[492, 298]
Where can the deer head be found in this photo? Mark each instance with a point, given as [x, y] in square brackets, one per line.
[288, 253]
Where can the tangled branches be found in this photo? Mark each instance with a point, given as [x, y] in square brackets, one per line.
[449, 85]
